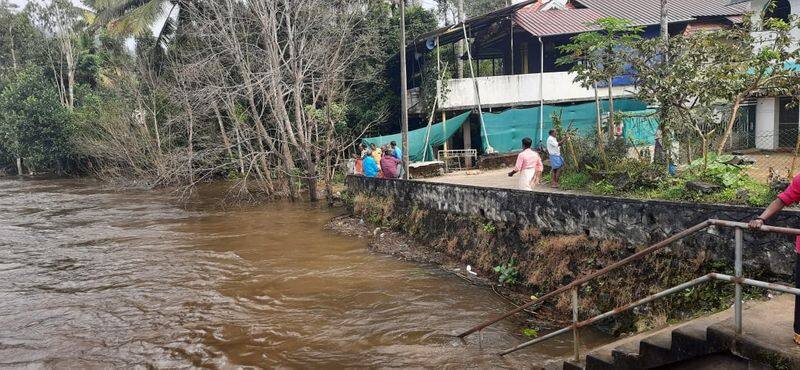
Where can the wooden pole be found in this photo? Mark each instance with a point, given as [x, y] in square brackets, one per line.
[404, 88]
[439, 88]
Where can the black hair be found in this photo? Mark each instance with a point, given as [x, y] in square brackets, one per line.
[393, 143]
[526, 143]
[553, 132]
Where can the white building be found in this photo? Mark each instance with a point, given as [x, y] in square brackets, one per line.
[771, 122]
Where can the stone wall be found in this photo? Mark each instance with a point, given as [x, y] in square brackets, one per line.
[637, 223]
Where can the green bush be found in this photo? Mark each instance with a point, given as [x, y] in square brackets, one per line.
[508, 272]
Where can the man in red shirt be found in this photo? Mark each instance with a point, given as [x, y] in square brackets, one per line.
[790, 196]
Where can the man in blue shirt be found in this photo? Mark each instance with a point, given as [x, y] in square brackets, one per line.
[370, 167]
[398, 153]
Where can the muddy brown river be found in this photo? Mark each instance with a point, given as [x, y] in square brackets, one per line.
[92, 278]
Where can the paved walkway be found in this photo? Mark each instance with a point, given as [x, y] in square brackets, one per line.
[489, 179]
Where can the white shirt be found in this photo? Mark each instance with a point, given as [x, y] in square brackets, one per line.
[552, 146]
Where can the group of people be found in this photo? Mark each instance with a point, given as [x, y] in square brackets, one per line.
[530, 166]
[383, 162]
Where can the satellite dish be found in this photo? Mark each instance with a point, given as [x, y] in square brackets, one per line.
[430, 43]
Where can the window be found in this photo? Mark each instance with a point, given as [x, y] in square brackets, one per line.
[778, 9]
[788, 111]
[788, 120]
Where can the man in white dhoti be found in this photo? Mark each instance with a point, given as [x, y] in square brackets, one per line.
[529, 165]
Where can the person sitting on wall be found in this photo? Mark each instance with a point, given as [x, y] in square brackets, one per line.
[390, 165]
[370, 167]
[556, 160]
[529, 165]
[790, 196]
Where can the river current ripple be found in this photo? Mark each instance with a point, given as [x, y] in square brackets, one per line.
[92, 278]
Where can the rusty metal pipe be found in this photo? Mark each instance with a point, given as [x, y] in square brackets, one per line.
[737, 268]
[583, 280]
[618, 310]
[765, 228]
[757, 283]
[615, 311]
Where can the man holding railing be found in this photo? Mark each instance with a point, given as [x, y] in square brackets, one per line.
[790, 196]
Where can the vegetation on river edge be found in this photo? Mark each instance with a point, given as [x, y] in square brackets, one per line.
[545, 262]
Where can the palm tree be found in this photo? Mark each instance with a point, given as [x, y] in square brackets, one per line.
[137, 17]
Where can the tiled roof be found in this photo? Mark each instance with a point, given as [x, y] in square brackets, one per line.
[556, 22]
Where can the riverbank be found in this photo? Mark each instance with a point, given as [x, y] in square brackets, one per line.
[553, 238]
[384, 240]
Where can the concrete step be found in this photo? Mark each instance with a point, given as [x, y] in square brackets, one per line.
[626, 355]
[656, 350]
[563, 365]
[767, 340]
[601, 360]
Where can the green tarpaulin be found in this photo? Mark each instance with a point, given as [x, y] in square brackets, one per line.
[639, 127]
[505, 131]
[439, 133]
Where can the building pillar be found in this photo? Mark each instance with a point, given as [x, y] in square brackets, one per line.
[467, 130]
[767, 130]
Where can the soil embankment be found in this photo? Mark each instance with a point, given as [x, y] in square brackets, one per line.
[543, 261]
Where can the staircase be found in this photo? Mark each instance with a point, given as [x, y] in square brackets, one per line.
[766, 343]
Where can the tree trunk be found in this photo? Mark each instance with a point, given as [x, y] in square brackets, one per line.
[461, 18]
[224, 135]
[155, 125]
[19, 166]
[599, 121]
[239, 149]
[664, 23]
[611, 116]
[729, 127]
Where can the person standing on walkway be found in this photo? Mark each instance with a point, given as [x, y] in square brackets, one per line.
[554, 151]
[790, 196]
[529, 165]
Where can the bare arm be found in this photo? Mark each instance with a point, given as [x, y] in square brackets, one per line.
[773, 208]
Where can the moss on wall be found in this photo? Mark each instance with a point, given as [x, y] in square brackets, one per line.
[548, 261]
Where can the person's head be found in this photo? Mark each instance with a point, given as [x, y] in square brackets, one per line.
[373, 146]
[393, 144]
[526, 143]
[389, 152]
[553, 133]
[361, 146]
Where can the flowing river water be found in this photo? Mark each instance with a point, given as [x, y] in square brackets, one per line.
[92, 278]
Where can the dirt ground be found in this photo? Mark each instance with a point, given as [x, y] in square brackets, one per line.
[781, 163]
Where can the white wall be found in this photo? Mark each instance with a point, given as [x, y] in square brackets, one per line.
[767, 123]
[504, 91]
[756, 6]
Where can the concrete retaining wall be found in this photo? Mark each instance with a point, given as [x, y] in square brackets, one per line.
[637, 223]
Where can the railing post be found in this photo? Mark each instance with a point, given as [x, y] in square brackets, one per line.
[575, 341]
[737, 271]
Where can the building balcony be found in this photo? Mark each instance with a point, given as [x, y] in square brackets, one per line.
[516, 90]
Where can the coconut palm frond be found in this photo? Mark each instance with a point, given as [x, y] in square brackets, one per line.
[135, 20]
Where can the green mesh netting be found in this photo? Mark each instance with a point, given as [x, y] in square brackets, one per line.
[439, 133]
[639, 127]
[505, 131]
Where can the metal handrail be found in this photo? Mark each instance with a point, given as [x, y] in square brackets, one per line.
[738, 280]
